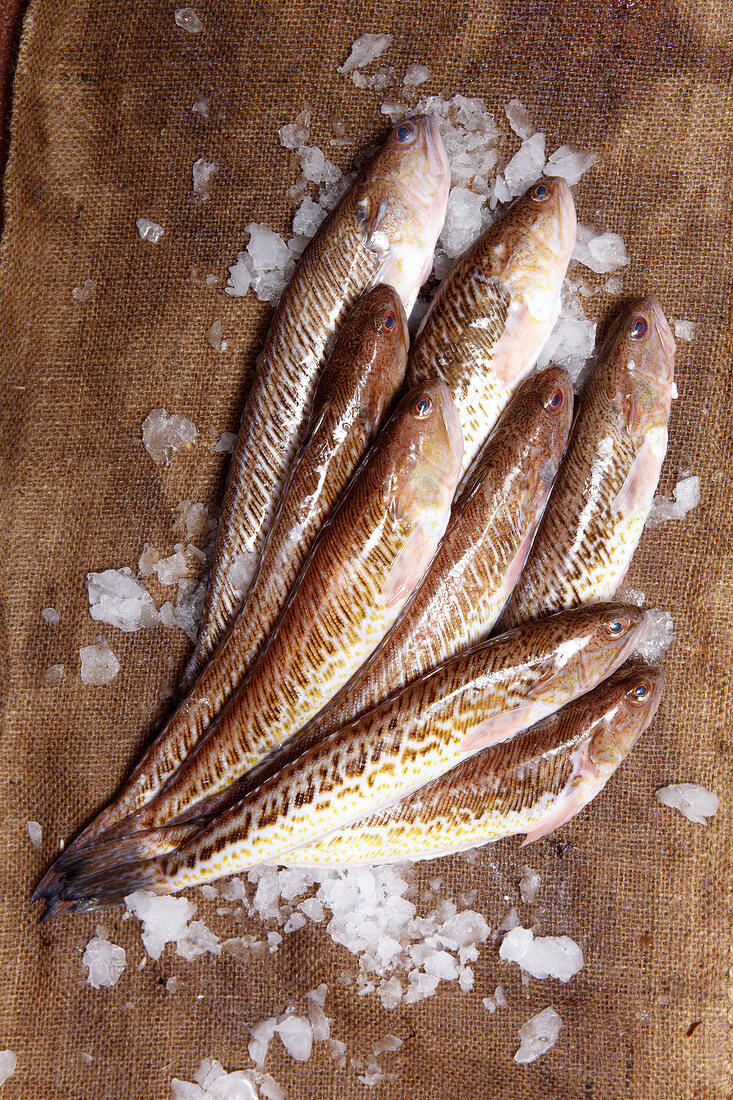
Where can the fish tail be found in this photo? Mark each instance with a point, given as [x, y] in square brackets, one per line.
[100, 880]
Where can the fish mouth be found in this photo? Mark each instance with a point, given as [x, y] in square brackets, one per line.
[567, 217]
[437, 156]
[661, 327]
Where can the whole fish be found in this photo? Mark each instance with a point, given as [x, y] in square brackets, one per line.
[356, 388]
[496, 308]
[533, 784]
[472, 701]
[605, 487]
[383, 230]
[371, 555]
[474, 572]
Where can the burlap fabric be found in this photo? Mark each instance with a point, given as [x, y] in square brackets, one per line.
[103, 133]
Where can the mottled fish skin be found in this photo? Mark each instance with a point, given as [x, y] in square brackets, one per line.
[532, 784]
[474, 572]
[371, 555]
[357, 386]
[602, 495]
[383, 230]
[472, 701]
[496, 308]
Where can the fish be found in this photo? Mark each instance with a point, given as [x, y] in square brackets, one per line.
[603, 493]
[532, 784]
[383, 230]
[489, 535]
[471, 702]
[496, 308]
[355, 390]
[372, 553]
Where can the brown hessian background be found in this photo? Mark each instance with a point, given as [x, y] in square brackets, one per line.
[102, 133]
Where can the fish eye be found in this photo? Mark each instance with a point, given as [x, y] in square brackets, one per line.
[423, 406]
[389, 321]
[405, 133]
[641, 691]
[540, 192]
[639, 327]
[616, 627]
[555, 401]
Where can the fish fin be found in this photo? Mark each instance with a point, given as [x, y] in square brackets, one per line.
[100, 879]
[500, 727]
[410, 565]
[559, 816]
[640, 483]
[516, 565]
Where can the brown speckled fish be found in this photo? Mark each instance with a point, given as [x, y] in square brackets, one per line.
[496, 308]
[371, 555]
[358, 385]
[473, 701]
[596, 513]
[384, 230]
[533, 784]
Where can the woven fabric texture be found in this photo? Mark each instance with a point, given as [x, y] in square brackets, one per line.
[103, 133]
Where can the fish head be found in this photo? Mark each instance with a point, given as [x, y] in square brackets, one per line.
[589, 643]
[401, 199]
[641, 380]
[545, 401]
[533, 246]
[426, 454]
[634, 695]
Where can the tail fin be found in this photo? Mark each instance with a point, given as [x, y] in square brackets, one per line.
[99, 881]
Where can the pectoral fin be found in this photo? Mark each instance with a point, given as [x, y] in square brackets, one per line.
[560, 815]
[640, 482]
[498, 728]
[410, 565]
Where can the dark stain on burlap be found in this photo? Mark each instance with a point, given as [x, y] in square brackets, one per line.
[103, 133]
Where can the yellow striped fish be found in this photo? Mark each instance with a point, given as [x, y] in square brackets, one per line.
[471, 702]
[496, 308]
[533, 784]
[596, 513]
[384, 230]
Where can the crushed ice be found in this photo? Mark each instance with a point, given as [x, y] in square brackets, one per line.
[538, 1035]
[99, 665]
[686, 497]
[105, 961]
[149, 231]
[188, 20]
[164, 435]
[542, 956]
[35, 834]
[212, 1082]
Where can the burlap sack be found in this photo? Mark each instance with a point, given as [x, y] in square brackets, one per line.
[103, 133]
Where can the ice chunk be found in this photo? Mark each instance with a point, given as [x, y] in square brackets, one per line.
[686, 497]
[529, 884]
[188, 20]
[312, 908]
[212, 1082]
[573, 338]
[601, 252]
[149, 231]
[297, 1036]
[386, 1045]
[320, 1023]
[495, 1000]
[308, 218]
[226, 443]
[202, 107]
[692, 800]
[518, 118]
[511, 920]
[99, 665]
[378, 81]
[105, 962]
[261, 1033]
[8, 1062]
[186, 614]
[544, 956]
[525, 167]
[240, 277]
[466, 217]
[50, 615]
[658, 635]
[416, 74]
[538, 1035]
[685, 330]
[164, 919]
[442, 965]
[118, 598]
[365, 49]
[35, 834]
[390, 992]
[202, 174]
[84, 292]
[570, 163]
[52, 675]
[213, 336]
[170, 570]
[196, 940]
[164, 435]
